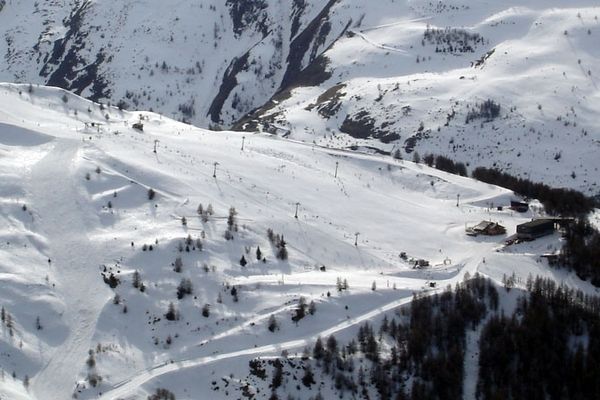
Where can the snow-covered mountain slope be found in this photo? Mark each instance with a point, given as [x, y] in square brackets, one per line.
[201, 61]
[78, 221]
[417, 78]
[391, 75]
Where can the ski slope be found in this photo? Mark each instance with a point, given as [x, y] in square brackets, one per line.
[407, 77]
[59, 234]
[394, 75]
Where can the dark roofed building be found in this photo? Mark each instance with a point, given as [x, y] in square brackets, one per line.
[486, 228]
[519, 206]
[535, 229]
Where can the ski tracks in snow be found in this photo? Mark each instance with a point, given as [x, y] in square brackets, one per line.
[64, 213]
[127, 387]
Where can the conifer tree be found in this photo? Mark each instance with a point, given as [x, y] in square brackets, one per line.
[277, 374]
[318, 349]
[136, 280]
[178, 265]
[171, 314]
[308, 378]
[206, 310]
[258, 253]
[272, 325]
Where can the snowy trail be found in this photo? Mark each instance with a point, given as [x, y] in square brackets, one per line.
[378, 45]
[402, 22]
[63, 217]
[126, 387]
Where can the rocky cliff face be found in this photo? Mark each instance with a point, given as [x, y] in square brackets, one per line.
[200, 62]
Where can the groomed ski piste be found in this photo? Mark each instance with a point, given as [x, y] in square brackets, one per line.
[74, 205]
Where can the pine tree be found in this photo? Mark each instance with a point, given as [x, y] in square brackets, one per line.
[136, 280]
[274, 396]
[178, 265]
[385, 325]
[300, 310]
[332, 345]
[282, 252]
[206, 310]
[272, 325]
[200, 209]
[171, 314]
[277, 374]
[416, 158]
[308, 378]
[243, 261]
[91, 361]
[338, 284]
[185, 287]
[112, 281]
[231, 219]
[162, 394]
[258, 253]
[318, 349]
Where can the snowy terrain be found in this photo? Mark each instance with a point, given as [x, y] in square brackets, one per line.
[385, 76]
[75, 207]
[205, 61]
[407, 80]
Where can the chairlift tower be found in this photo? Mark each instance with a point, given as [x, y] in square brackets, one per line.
[296, 214]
